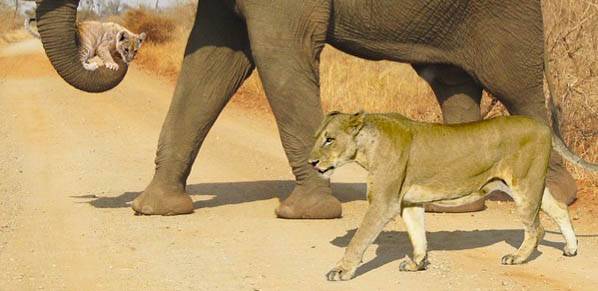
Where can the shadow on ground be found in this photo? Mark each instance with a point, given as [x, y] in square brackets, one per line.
[234, 193]
[394, 245]
[241, 192]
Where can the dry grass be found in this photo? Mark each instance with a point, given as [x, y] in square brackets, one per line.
[10, 26]
[572, 44]
[167, 35]
[7, 23]
[351, 84]
[158, 28]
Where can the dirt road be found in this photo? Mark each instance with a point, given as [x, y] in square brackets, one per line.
[71, 163]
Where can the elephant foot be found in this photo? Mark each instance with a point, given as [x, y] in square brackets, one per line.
[154, 201]
[469, 207]
[310, 202]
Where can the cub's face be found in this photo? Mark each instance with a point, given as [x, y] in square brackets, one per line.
[336, 142]
[127, 44]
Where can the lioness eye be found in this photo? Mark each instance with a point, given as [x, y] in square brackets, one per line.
[328, 140]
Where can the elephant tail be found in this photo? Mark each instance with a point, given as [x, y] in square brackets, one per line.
[557, 138]
[28, 21]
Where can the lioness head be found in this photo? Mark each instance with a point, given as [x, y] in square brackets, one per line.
[336, 142]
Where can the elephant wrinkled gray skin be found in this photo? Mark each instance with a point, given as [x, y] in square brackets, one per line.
[460, 47]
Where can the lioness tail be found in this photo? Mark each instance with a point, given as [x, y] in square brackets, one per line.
[557, 138]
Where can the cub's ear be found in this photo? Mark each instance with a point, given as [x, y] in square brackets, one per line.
[356, 121]
[140, 40]
[122, 35]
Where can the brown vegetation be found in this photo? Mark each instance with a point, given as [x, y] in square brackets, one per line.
[572, 44]
[167, 35]
[158, 28]
[10, 25]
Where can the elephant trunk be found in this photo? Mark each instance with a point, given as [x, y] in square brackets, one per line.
[56, 21]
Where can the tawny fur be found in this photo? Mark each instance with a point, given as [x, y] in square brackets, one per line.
[102, 40]
[412, 163]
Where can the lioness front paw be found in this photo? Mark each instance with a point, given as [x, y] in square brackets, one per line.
[408, 265]
[340, 273]
[112, 66]
[512, 260]
[569, 253]
[90, 66]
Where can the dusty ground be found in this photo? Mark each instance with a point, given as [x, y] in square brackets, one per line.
[71, 162]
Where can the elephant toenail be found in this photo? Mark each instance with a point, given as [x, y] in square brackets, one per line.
[147, 209]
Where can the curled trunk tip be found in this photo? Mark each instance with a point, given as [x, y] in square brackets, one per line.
[56, 22]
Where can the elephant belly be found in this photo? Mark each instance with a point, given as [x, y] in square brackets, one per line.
[405, 31]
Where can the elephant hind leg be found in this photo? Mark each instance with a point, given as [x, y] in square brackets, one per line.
[459, 97]
[458, 94]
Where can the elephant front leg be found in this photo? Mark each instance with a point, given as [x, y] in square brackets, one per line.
[294, 96]
[286, 50]
[217, 60]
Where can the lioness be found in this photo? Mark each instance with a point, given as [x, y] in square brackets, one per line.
[411, 163]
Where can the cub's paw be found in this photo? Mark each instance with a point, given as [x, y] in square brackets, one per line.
[112, 66]
[512, 260]
[408, 265]
[90, 66]
[340, 273]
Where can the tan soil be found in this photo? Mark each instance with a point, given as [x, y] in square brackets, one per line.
[71, 162]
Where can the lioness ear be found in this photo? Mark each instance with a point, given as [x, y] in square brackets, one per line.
[356, 121]
[325, 122]
[333, 113]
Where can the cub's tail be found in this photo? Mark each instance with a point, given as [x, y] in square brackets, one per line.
[557, 138]
[28, 21]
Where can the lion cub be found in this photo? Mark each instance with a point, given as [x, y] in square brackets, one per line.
[411, 163]
[102, 39]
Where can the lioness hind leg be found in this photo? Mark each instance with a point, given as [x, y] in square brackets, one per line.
[528, 208]
[414, 220]
[533, 234]
[558, 212]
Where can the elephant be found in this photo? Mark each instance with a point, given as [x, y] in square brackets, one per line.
[459, 47]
